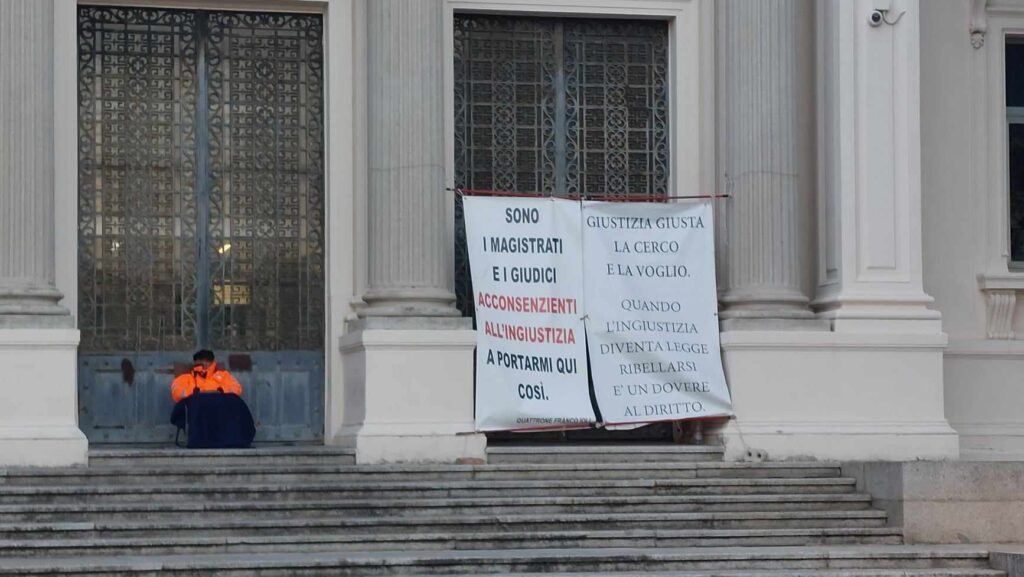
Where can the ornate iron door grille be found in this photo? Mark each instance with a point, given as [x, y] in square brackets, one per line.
[558, 106]
[201, 213]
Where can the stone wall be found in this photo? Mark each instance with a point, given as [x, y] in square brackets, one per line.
[948, 501]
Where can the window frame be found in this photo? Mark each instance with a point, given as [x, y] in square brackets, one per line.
[1013, 115]
[562, 119]
[991, 161]
[690, 78]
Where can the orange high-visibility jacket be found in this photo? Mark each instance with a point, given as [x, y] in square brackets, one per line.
[215, 378]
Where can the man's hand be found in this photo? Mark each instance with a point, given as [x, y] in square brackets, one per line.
[220, 389]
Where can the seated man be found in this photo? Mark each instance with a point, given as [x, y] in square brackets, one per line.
[205, 377]
[209, 406]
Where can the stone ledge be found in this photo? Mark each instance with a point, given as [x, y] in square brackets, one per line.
[818, 340]
[840, 380]
[1010, 560]
[408, 338]
[38, 446]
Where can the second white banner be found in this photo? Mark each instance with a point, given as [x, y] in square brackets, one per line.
[651, 302]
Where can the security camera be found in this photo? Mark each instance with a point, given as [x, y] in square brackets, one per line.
[876, 18]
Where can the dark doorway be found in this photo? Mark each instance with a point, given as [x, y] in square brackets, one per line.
[201, 214]
[559, 106]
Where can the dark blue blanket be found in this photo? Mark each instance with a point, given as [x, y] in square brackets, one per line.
[214, 421]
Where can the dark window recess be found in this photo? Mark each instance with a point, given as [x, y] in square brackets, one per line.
[1015, 72]
[1015, 145]
[1016, 160]
[558, 106]
[201, 186]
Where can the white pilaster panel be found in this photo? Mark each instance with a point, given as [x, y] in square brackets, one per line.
[870, 276]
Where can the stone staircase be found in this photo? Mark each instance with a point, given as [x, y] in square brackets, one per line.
[555, 510]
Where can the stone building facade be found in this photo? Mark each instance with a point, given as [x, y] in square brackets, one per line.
[269, 178]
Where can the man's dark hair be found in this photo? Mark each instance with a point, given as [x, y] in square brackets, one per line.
[203, 355]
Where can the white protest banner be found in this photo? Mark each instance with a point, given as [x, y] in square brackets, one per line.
[652, 322]
[526, 265]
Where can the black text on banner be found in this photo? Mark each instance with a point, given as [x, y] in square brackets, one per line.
[652, 323]
[526, 266]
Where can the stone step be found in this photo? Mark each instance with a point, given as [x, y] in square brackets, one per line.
[602, 453]
[69, 544]
[699, 561]
[164, 475]
[94, 493]
[257, 524]
[965, 572]
[426, 507]
[282, 455]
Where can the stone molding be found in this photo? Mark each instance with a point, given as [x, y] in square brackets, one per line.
[409, 395]
[1001, 292]
[979, 23]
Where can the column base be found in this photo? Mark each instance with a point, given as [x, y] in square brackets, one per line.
[39, 416]
[27, 306]
[774, 323]
[784, 312]
[833, 396]
[409, 392]
[419, 302]
[840, 441]
[44, 446]
[873, 314]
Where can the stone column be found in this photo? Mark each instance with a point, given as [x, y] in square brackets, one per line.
[28, 296]
[408, 361]
[410, 272]
[766, 109]
[39, 418]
